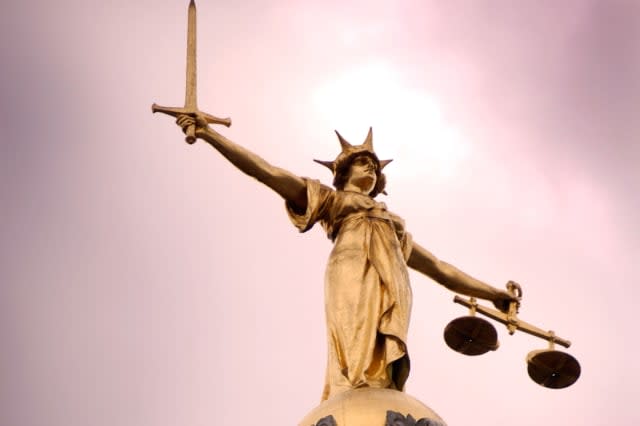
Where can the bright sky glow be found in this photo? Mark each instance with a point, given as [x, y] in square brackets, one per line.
[407, 123]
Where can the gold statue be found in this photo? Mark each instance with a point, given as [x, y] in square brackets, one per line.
[367, 291]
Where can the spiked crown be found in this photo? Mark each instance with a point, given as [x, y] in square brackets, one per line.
[340, 166]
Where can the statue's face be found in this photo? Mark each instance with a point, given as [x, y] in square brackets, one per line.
[362, 174]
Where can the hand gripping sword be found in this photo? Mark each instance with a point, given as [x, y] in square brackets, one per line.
[190, 98]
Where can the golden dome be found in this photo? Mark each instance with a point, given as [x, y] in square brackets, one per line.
[372, 407]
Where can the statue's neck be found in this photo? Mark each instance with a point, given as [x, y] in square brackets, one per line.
[352, 187]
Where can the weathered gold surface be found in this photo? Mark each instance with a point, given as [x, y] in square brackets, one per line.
[369, 407]
[367, 292]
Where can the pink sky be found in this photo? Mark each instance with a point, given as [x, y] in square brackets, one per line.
[145, 282]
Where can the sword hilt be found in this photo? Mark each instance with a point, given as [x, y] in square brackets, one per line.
[191, 130]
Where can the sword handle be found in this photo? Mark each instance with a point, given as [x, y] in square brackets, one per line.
[191, 134]
[191, 130]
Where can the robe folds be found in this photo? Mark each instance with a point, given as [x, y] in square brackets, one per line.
[367, 290]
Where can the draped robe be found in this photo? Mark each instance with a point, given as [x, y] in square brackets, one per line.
[367, 290]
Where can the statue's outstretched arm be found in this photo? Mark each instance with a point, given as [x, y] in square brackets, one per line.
[454, 279]
[291, 187]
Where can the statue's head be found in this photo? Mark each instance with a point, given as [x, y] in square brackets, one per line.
[341, 167]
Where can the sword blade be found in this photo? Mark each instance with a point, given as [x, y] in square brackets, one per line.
[190, 98]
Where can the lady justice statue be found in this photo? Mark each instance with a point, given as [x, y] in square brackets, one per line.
[367, 291]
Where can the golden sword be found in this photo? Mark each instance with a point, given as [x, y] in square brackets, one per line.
[190, 98]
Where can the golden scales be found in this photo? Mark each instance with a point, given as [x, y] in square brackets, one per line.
[471, 335]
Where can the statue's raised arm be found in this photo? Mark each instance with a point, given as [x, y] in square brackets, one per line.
[291, 187]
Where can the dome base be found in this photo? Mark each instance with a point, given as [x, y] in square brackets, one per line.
[372, 407]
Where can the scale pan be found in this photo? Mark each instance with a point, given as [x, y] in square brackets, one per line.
[552, 369]
[471, 335]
